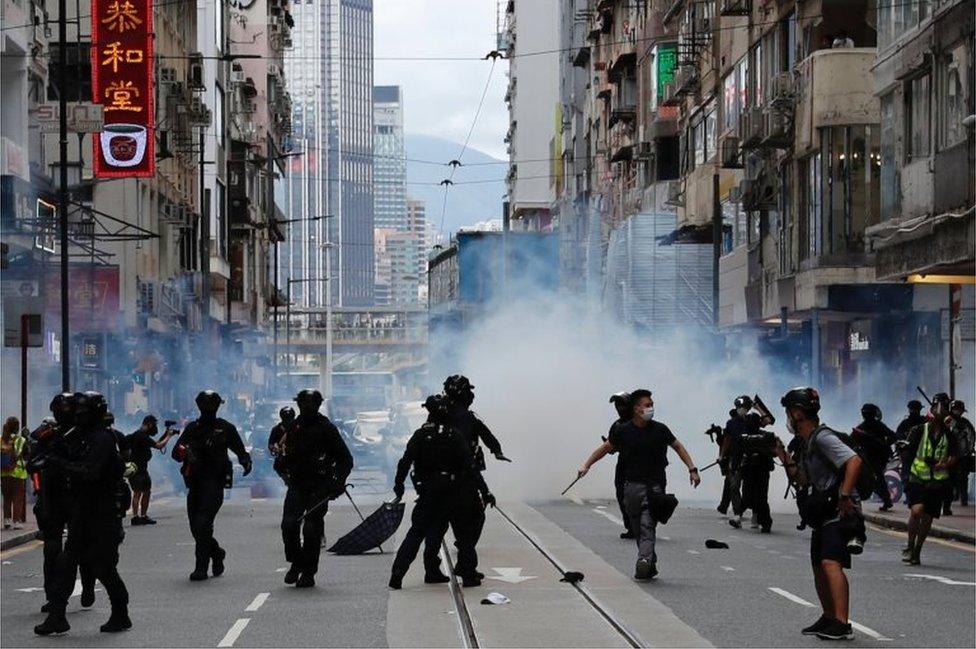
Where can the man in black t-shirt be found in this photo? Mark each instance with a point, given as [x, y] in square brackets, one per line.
[643, 446]
[139, 446]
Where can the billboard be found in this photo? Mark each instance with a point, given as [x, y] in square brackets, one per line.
[93, 296]
[122, 82]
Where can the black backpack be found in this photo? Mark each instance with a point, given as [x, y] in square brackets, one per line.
[866, 479]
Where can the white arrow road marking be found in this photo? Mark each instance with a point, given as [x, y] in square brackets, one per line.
[858, 627]
[941, 580]
[234, 633]
[257, 603]
[610, 517]
[693, 552]
[511, 575]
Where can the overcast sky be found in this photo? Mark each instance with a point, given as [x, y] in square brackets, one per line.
[441, 97]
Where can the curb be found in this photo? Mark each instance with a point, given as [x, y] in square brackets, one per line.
[20, 539]
[937, 531]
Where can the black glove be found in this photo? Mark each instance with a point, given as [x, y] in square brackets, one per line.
[489, 499]
[247, 464]
[500, 456]
[398, 491]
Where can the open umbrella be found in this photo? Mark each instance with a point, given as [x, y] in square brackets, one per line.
[376, 528]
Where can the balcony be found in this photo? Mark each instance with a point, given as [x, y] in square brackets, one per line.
[836, 88]
[621, 141]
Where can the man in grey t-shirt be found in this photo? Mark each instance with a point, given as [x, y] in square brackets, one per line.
[831, 469]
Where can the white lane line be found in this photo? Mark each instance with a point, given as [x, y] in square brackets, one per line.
[234, 633]
[728, 568]
[868, 631]
[257, 603]
[693, 552]
[663, 538]
[281, 569]
[609, 516]
[941, 579]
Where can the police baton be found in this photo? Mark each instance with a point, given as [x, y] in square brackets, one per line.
[325, 501]
[924, 396]
[709, 466]
[571, 484]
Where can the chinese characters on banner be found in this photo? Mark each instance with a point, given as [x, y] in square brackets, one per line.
[122, 82]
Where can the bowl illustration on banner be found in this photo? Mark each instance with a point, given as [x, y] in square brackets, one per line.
[123, 145]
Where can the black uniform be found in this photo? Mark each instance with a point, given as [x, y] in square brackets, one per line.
[752, 459]
[876, 440]
[619, 479]
[448, 487]
[202, 447]
[474, 431]
[90, 463]
[315, 463]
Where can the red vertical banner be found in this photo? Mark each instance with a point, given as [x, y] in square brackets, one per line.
[122, 82]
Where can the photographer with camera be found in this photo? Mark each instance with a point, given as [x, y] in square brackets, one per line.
[931, 453]
[830, 468]
[748, 452]
[139, 446]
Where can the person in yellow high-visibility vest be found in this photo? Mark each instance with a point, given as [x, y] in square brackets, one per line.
[932, 451]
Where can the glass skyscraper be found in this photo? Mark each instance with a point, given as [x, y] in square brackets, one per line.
[329, 72]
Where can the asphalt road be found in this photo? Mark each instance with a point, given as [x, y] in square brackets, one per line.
[719, 597]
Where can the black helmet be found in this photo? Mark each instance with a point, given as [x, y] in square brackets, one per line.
[871, 412]
[621, 402]
[941, 398]
[208, 397]
[457, 384]
[744, 401]
[98, 402]
[309, 395]
[90, 409]
[915, 405]
[802, 398]
[287, 413]
[438, 408]
[957, 404]
[62, 402]
[109, 418]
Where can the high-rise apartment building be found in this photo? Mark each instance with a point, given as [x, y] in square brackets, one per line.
[330, 187]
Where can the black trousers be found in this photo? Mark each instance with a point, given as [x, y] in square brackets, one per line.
[93, 545]
[52, 520]
[311, 529]
[881, 489]
[618, 486]
[203, 500]
[755, 494]
[428, 524]
[958, 487]
[467, 522]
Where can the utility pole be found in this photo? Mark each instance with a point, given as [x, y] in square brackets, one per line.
[63, 192]
[716, 245]
[204, 237]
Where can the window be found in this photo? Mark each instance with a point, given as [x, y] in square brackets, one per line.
[954, 81]
[890, 167]
[703, 134]
[730, 105]
[918, 122]
[810, 199]
[733, 226]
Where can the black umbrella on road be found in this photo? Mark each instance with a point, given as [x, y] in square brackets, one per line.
[376, 528]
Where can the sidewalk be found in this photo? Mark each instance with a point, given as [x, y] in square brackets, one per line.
[961, 526]
[12, 538]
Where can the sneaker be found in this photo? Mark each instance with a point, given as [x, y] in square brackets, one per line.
[835, 630]
[293, 573]
[816, 626]
[217, 562]
[199, 575]
[136, 520]
[855, 546]
[915, 559]
[906, 553]
[148, 521]
[627, 535]
[645, 570]
[470, 581]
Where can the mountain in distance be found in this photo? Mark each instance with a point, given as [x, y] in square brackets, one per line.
[466, 204]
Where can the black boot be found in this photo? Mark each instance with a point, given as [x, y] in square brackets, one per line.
[55, 623]
[436, 578]
[200, 572]
[118, 621]
[88, 597]
[396, 582]
[217, 559]
[471, 581]
[293, 573]
[46, 608]
[305, 581]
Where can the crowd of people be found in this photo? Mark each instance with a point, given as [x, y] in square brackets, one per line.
[830, 472]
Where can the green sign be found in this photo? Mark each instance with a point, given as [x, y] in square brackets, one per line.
[667, 61]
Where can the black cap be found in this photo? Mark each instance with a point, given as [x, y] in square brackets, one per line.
[802, 398]
[941, 397]
[957, 404]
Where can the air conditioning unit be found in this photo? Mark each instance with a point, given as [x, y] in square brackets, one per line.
[731, 152]
[777, 127]
[783, 86]
[751, 127]
[767, 193]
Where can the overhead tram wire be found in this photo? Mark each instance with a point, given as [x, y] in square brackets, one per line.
[464, 147]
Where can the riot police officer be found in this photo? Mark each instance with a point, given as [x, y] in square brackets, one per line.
[202, 448]
[90, 462]
[876, 441]
[460, 395]
[315, 463]
[449, 489]
[750, 453]
[278, 434]
[53, 499]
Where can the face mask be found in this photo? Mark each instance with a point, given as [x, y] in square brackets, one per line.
[790, 426]
[648, 414]
[742, 412]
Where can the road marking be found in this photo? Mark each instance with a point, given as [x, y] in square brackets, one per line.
[610, 517]
[20, 549]
[728, 568]
[663, 538]
[281, 569]
[902, 535]
[601, 506]
[32, 589]
[258, 602]
[868, 631]
[692, 551]
[941, 579]
[511, 575]
[576, 499]
[234, 633]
